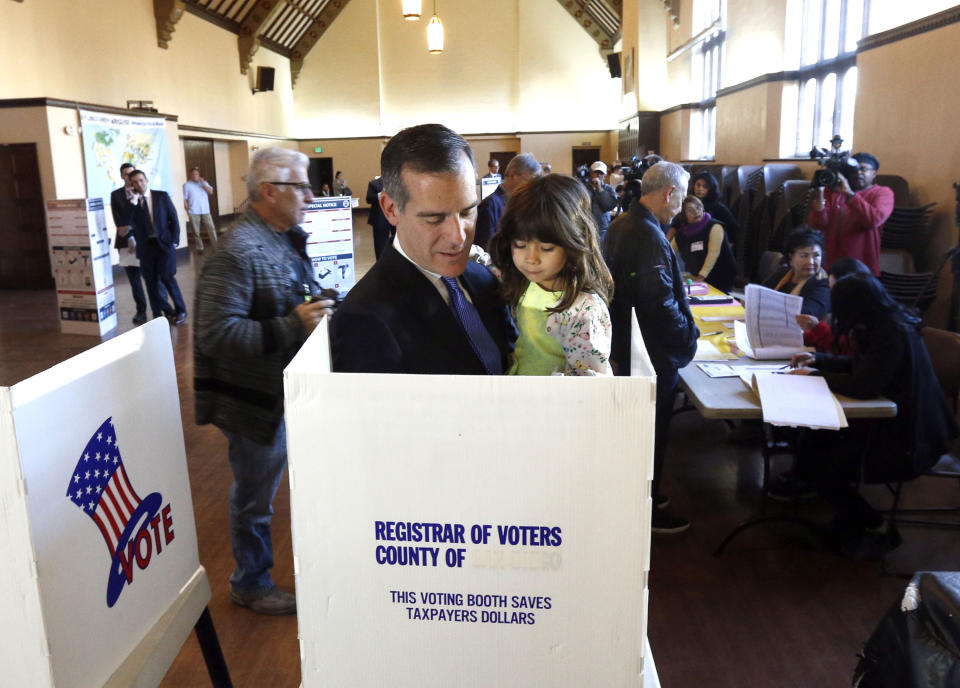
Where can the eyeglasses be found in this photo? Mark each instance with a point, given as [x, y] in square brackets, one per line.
[302, 187]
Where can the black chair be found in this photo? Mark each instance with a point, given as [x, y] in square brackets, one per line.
[792, 207]
[908, 229]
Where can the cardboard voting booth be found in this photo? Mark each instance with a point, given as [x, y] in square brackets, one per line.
[469, 530]
[101, 578]
[80, 260]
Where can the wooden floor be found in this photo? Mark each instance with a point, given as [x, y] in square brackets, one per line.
[774, 610]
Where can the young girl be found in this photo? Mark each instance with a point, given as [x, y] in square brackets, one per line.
[554, 278]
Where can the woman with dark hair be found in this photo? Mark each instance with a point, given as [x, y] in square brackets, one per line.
[702, 245]
[816, 332]
[888, 359]
[706, 188]
[802, 275]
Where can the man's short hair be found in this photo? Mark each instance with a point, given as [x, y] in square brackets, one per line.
[524, 163]
[272, 165]
[136, 172]
[194, 169]
[662, 175]
[493, 161]
[423, 148]
[125, 166]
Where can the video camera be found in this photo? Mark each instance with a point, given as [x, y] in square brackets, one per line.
[833, 163]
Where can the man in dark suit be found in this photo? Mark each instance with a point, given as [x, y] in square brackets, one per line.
[382, 230]
[424, 307]
[125, 244]
[521, 169]
[156, 229]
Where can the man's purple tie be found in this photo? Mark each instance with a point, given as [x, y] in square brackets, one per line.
[468, 317]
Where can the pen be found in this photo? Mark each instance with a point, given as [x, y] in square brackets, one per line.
[710, 334]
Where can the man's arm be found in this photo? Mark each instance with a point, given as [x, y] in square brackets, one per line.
[486, 226]
[173, 220]
[658, 310]
[605, 197]
[867, 214]
[223, 324]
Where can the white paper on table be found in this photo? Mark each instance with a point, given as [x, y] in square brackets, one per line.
[707, 351]
[721, 318]
[763, 353]
[718, 369]
[798, 401]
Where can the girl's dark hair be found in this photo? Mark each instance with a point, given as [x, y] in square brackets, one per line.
[803, 235]
[861, 304]
[554, 209]
[848, 266]
[713, 188]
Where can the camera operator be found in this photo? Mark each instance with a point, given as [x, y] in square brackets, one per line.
[603, 198]
[851, 214]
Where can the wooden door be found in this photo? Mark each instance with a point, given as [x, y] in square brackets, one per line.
[503, 157]
[199, 153]
[320, 173]
[24, 254]
[584, 156]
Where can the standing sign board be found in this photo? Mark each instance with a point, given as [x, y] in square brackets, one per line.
[80, 259]
[492, 531]
[329, 222]
[99, 542]
[488, 185]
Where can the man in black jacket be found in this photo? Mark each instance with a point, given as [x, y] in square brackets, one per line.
[646, 277]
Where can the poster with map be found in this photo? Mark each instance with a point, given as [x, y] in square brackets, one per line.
[109, 140]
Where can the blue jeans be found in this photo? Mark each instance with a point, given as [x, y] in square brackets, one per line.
[257, 469]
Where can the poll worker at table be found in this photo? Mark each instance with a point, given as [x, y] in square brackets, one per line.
[702, 245]
[424, 307]
[803, 275]
[646, 278]
[817, 332]
[707, 189]
[888, 359]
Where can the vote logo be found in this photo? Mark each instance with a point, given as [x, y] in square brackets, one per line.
[134, 529]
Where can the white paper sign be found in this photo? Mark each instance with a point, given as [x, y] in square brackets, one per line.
[100, 476]
[80, 260]
[469, 530]
[329, 222]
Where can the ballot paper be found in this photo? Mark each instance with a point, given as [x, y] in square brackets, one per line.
[707, 351]
[798, 401]
[743, 371]
[771, 329]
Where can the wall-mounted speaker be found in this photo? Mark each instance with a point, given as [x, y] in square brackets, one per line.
[264, 79]
[613, 62]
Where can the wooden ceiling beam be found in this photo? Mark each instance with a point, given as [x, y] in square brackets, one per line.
[578, 11]
[312, 35]
[167, 13]
[248, 41]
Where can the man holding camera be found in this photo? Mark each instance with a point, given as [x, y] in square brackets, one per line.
[603, 198]
[852, 213]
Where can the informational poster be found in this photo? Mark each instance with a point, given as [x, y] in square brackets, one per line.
[329, 222]
[99, 533]
[492, 530]
[80, 260]
[109, 140]
[488, 185]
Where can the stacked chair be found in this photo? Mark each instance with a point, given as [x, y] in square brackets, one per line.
[908, 229]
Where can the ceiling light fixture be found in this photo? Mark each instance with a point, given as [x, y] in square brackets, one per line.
[435, 33]
[412, 9]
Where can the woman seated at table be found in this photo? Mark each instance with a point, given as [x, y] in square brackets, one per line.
[888, 359]
[802, 275]
[816, 332]
[702, 244]
[706, 188]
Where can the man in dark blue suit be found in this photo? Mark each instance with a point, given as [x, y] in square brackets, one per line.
[424, 307]
[156, 229]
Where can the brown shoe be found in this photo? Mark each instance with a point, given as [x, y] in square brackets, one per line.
[273, 600]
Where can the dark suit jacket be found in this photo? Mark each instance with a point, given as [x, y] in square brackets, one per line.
[121, 209]
[395, 321]
[165, 222]
[488, 216]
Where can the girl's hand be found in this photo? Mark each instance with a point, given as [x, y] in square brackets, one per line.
[802, 360]
[807, 322]
[800, 371]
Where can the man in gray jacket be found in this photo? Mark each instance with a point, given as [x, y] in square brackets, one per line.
[257, 301]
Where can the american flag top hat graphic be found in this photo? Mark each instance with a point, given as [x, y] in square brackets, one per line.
[100, 486]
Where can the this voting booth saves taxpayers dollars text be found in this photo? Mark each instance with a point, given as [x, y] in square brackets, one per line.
[469, 530]
[101, 580]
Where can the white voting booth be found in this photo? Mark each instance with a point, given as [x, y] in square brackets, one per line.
[101, 577]
[470, 530]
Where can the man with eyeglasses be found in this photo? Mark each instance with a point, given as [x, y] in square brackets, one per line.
[851, 215]
[257, 301]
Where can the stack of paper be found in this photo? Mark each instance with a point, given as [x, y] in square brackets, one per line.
[798, 401]
[771, 329]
